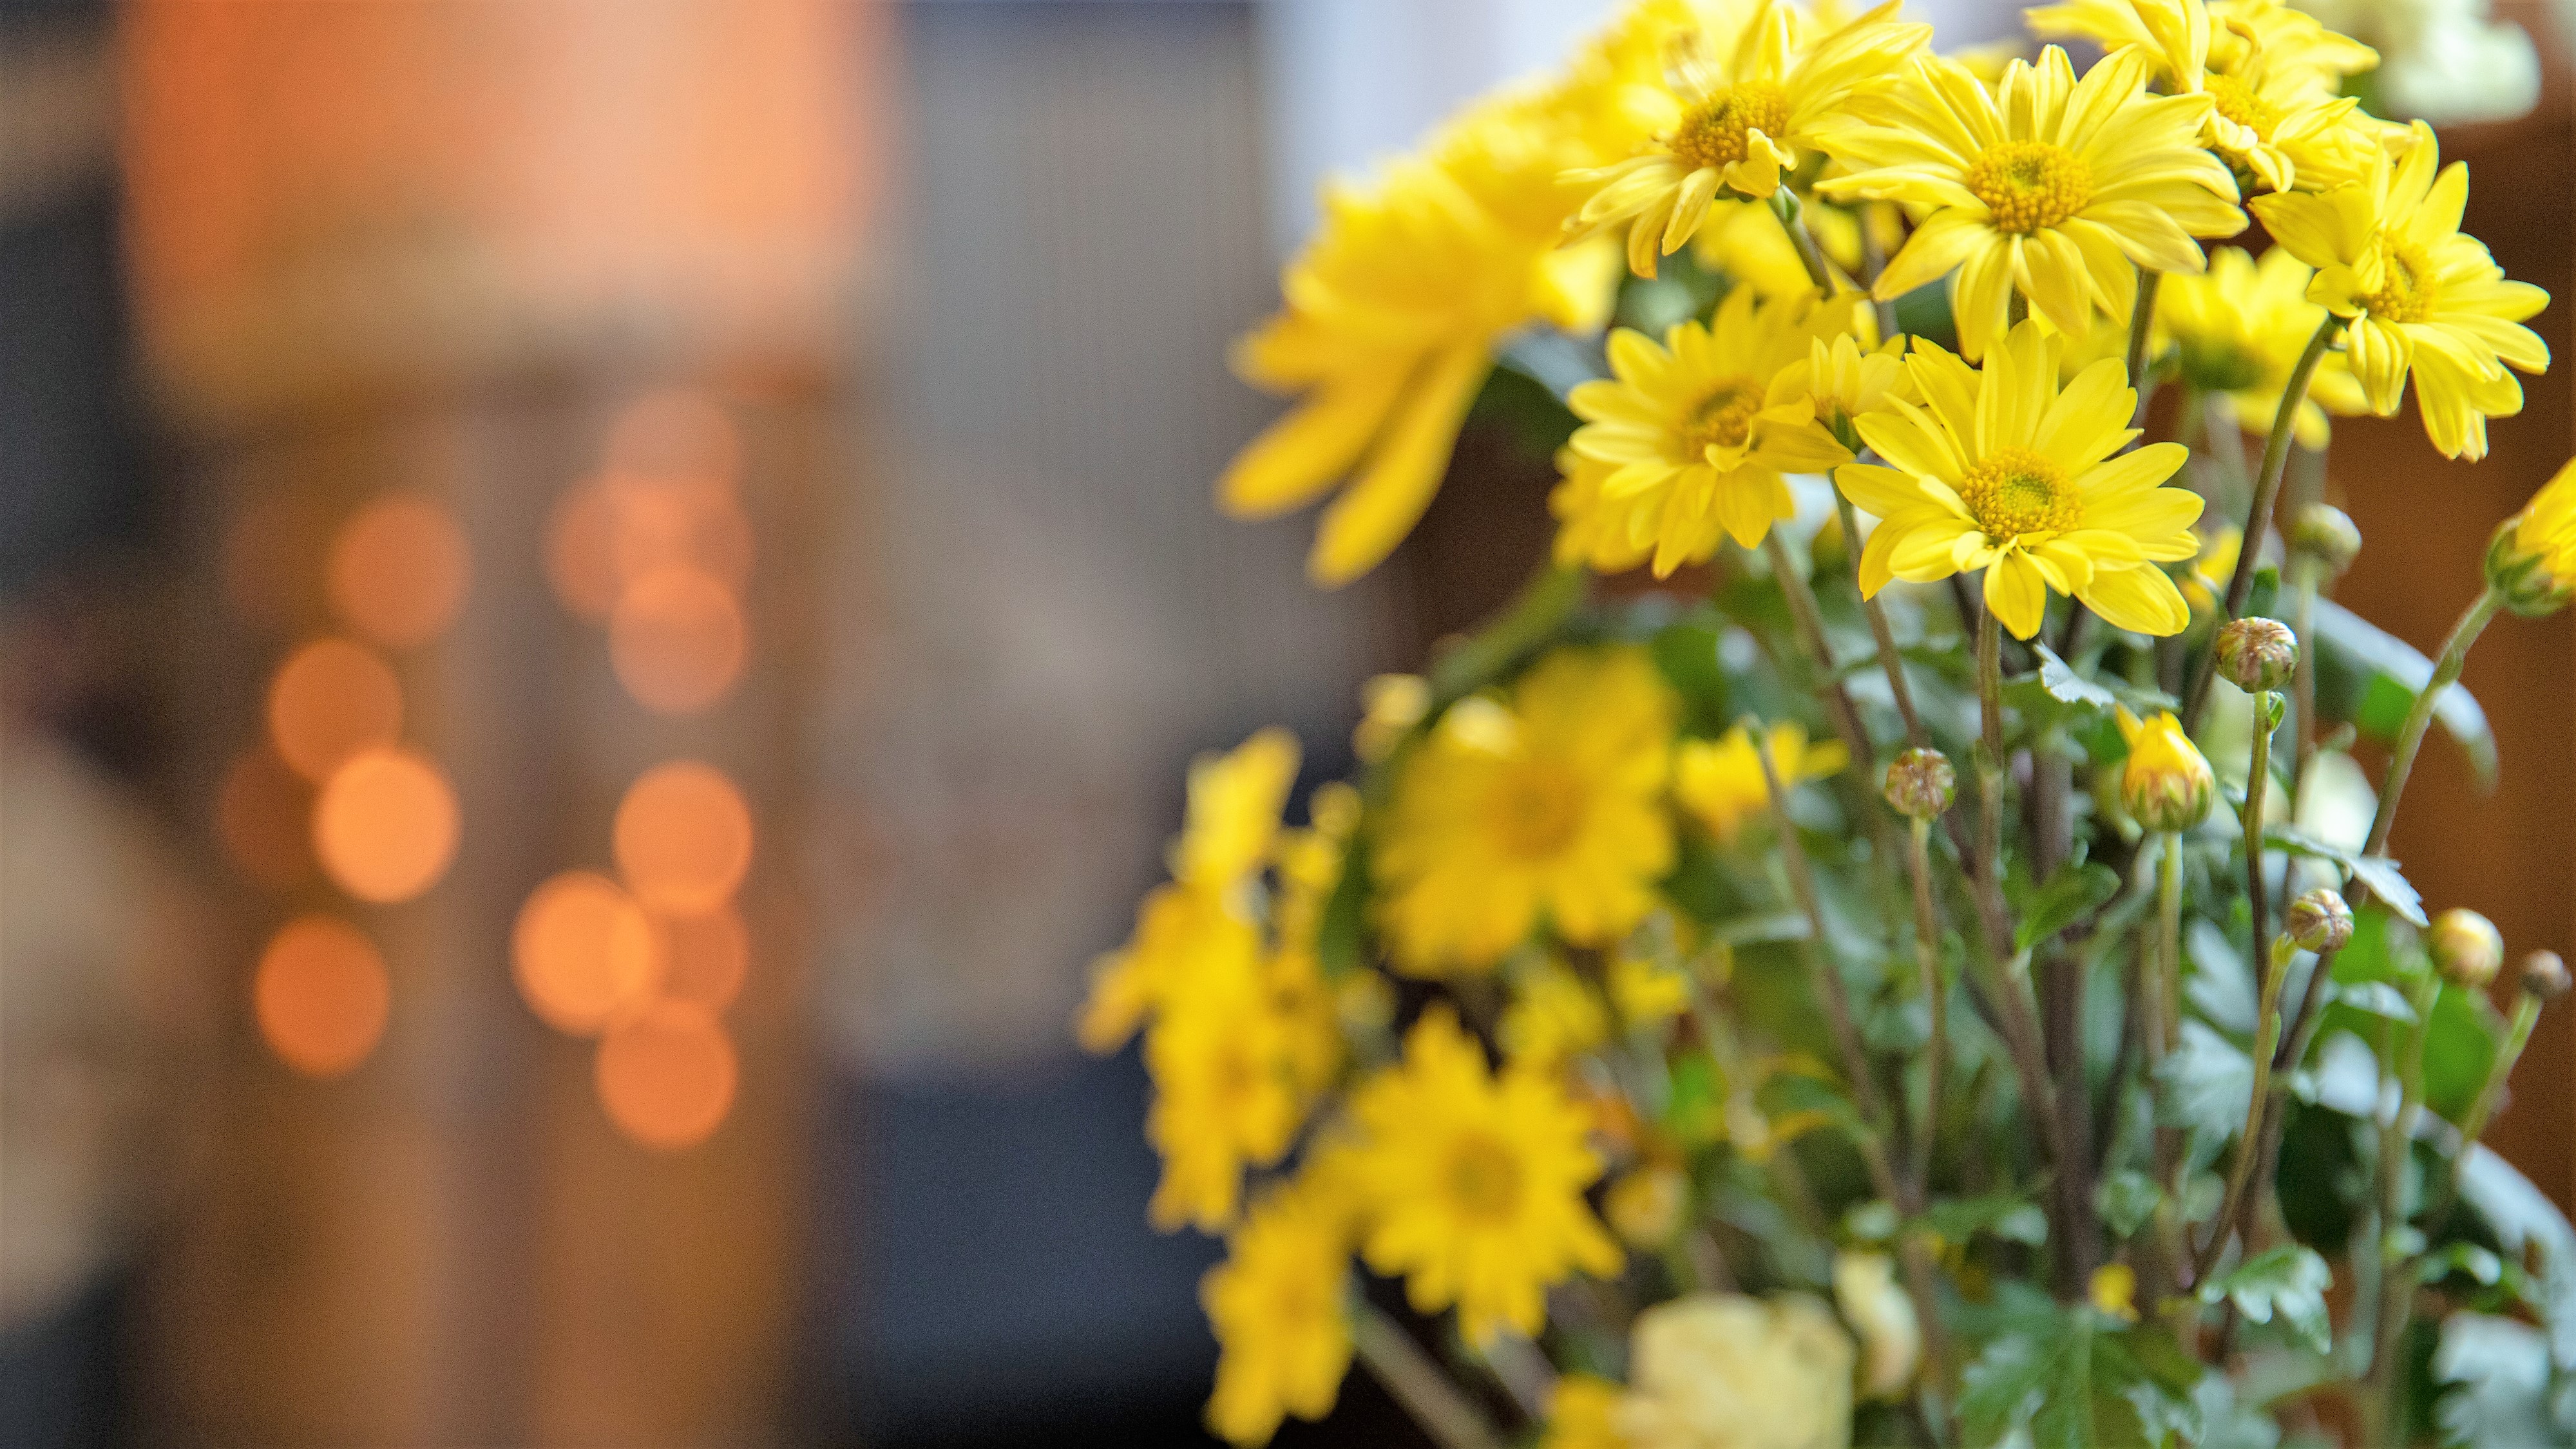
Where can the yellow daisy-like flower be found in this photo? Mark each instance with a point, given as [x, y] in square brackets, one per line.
[1234, 810]
[2002, 470]
[1749, 102]
[1581, 1410]
[1227, 1092]
[1720, 781]
[1553, 1016]
[2212, 568]
[1842, 383]
[2418, 295]
[1548, 807]
[1693, 438]
[1277, 1304]
[1475, 1182]
[2046, 185]
[2271, 72]
[1393, 309]
[2239, 329]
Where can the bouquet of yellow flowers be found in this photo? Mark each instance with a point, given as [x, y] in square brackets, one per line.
[1939, 979]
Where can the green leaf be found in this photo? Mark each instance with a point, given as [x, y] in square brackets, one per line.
[1686, 651]
[2066, 686]
[2073, 1380]
[2127, 1198]
[2290, 1281]
[2205, 1083]
[2376, 997]
[2070, 895]
[2528, 1225]
[1338, 936]
[2002, 1215]
[2499, 1373]
[2378, 872]
[1554, 360]
[1529, 622]
[2371, 677]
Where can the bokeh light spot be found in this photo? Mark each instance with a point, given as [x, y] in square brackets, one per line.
[399, 570]
[683, 838]
[321, 996]
[583, 952]
[581, 549]
[263, 820]
[676, 641]
[707, 958]
[386, 825]
[679, 522]
[329, 700]
[667, 1075]
[675, 432]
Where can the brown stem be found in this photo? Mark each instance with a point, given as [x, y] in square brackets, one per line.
[1417, 1383]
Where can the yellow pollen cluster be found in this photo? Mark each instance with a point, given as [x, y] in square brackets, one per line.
[2238, 102]
[1536, 809]
[2014, 491]
[1713, 133]
[1724, 418]
[2407, 288]
[2030, 185]
[1484, 1179]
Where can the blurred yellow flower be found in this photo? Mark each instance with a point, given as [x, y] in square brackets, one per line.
[2003, 470]
[2046, 184]
[2212, 567]
[1843, 382]
[1277, 1306]
[1694, 438]
[1552, 1016]
[1720, 781]
[2532, 559]
[1234, 805]
[2418, 295]
[1226, 1090]
[1548, 807]
[2239, 329]
[1749, 101]
[1579, 1411]
[1724, 1371]
[1474, 1183]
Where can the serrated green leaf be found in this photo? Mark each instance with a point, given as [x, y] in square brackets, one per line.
[2069, 895]
[2289, 1282]
[2377, 872]
[2065, 685]
[2127, 1199]
[2002, 1215]
[2205, 1083]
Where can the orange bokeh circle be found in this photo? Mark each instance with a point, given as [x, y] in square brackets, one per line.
[329, 700]
[679, 522]
[581, 549]
[321, 995]
[676, 640]
[386, 825]
[399, 570]
[683, 838]
[667, 1075]
[583, 952]
[675, 432]
[707, 957]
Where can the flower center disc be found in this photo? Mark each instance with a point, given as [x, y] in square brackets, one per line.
[2030, 185]
[1484, 1179]
[1723, 419]
[2406, 286]
[2016, 491]
[2238, 102]
[1713, 133]
[1537, 810]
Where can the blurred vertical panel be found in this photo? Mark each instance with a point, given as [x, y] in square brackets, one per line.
[435, 250]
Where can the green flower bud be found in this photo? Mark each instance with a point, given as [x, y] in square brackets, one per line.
[2166, 784]
[2522, 576]
[2467, 948]
[1921, 784]
[2257, 654]
[2325, 533]
[2319, 921]
[2544, 975]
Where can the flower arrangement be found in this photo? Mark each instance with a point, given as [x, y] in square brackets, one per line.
[1928, 971]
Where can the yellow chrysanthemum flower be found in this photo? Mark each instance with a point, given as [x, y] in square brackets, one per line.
[2166, 783]
[2002, 470]
[2271, 72]
[2419, 295]
[1580, 1413]
[1746, 241]
[2239, 329]
[2048, 185]
[1694, 443]
[1277, 1304]
[1646, 990]
[1475, 1182]
[1748, 102]
[1550, 806]
[1392, 311]
[1234, 802]
[1310, 1006]
[2205, 584]
[1227, 1090]
[1553, 1015]
[1842, 383]
[1720, 781]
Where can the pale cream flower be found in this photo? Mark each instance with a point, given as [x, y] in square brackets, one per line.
[1724, 1371]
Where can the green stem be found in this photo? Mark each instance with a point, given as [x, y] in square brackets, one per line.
[1889, 661]
[2517, 1035]
[1784, 204]
[1417, 1383]
[1927, 967]
[2142, 318]
[2267, 1016]
[2446, 672]
[2396, 1269]
[2168, 992]
[1810, 624]
[2267, 492]
[2258, 785]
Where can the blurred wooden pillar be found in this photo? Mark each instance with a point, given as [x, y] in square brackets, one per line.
[435, 247]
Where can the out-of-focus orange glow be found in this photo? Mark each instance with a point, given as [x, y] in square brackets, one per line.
[263, 819]
[386, 825]
[677, 641]
[321, 996]
[581, 549]
[667, 1075]
[583, 952]
[683, 838]
[675, 433]
[706, 958]
[271, 548]
[329, 700]
[399, 570]
[691, 522]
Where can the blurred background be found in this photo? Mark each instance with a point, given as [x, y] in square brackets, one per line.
[602, 604]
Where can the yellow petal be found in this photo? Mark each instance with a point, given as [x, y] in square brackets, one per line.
[1365, 524]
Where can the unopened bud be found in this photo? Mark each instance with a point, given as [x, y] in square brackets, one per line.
[2467, 948]
[1645, 1206]
[2319, 921]
[1921, 784]
[2166, 784]
[2519, 569]
[2544, 975]
[2257, 654]
[2325, 533]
